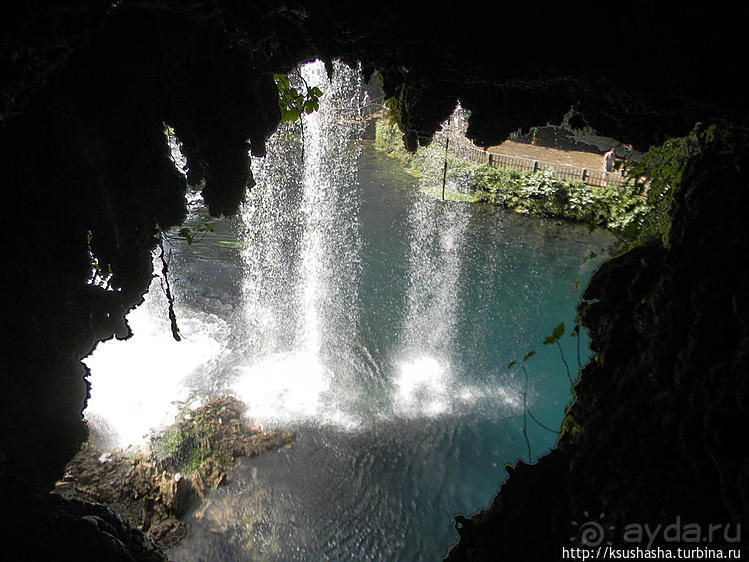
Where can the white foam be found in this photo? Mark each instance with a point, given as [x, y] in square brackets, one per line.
[284, 387]
[134, 383]
[424, 387]
[421, 388]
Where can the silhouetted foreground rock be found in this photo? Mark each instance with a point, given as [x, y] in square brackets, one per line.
[153, 488]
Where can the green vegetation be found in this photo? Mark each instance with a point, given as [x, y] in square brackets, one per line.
[637, 213]
[230, 244]
[389, 139]
[655, 178]
[153, 488]
[186, 446]
[188, 234]
[293, 103]
[571, 430]
[539, 193]
[207, 439]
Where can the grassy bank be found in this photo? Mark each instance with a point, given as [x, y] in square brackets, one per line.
[615, 208]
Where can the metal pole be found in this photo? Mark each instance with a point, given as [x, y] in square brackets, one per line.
[444, 169]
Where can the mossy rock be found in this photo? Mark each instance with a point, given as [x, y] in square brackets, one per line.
[152, 489]
[212, 436]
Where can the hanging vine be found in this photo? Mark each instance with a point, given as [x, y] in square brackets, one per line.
[167, 288]
[556, 334]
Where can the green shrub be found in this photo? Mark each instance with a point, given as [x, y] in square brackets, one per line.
[618, 209]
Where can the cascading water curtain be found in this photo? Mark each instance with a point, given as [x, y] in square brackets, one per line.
[302, 258]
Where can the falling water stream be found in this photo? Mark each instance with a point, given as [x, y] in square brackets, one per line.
[373, 320]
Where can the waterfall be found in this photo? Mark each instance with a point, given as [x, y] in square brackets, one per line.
[302, 260]
[423, 383]
[376, 321]
[304, 359]
[426, 381]
[293, 350]
[330, 205]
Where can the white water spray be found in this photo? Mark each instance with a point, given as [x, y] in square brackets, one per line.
[303, 261]
[137, 383]
[304, 358]
[426, 383]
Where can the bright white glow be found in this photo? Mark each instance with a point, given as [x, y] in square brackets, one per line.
[283, 387]
[135, 383]
[175, 151]
[421, 388]
[301, 260]
[292, 388]
[509, 398]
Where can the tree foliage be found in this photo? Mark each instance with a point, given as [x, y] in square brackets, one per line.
[294, 103]
[655, 177]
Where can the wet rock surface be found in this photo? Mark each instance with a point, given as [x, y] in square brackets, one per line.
[153, 489]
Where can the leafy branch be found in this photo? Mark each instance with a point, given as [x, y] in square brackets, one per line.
[189, 235]
[556, 334]
[554, 338]
[295, 103]
[526, 410]
[525, 401]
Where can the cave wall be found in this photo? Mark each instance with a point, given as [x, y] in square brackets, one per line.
[87, 89]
